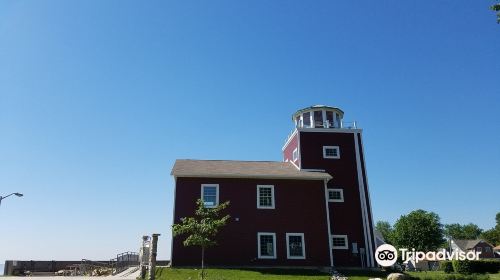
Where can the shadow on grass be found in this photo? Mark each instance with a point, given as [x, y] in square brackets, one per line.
[158, 272]
[282, 271]
[364, 273]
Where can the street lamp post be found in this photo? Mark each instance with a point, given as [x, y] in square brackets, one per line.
[4, 197]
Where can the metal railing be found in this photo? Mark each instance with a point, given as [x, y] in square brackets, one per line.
[124, 261]
[325, 124]
[348, 125]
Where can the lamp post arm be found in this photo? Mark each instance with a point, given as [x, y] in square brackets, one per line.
[3, 197]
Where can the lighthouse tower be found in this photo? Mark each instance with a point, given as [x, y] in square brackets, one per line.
[322, 141]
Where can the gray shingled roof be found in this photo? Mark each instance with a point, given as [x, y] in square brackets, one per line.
[466, 244]
[243, 169]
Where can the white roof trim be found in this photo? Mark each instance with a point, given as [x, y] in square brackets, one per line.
[244, 176]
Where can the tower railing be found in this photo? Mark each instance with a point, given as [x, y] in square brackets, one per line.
[326, 124]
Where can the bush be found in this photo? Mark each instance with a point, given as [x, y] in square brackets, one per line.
[463, 267]
[486, 266]
[446, 266]
[452, 276]
[479, 266]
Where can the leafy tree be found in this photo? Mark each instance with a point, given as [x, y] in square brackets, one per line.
[496, 8]
[386, 230]
[419, 229]
[493, 235]
[202, 229]
[458, 231]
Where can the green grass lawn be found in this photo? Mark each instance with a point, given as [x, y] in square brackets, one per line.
[424, 274]
[264, 274]
[164, 273]
[494, 276]
[441, 274]
[243, 274]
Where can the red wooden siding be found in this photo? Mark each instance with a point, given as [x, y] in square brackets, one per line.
[484, 254]
[345, 217]
[299, 208]
[288, 151]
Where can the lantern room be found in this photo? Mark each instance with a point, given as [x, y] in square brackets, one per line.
[318, 116]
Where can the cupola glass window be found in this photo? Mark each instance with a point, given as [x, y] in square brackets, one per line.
[306, 119]
[329, 118]
[318, 118]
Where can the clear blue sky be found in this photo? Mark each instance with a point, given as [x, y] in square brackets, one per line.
[98, 98]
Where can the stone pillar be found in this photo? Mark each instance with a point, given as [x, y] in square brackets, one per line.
[152, 256]
[144, 254]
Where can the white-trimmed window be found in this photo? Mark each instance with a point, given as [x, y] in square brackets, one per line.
[210, 195]
[479, 249]
[331, 152]
[340, 242]
[335, 195]
[266, 245]
[306, 119]
[265, 196]
[295, 246]
[295, 154]
[487, 249]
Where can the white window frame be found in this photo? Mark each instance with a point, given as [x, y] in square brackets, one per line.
[331, 147]
[259, 234]
[303, 257]
[272, 197]
[216, 195]
[336, 200]
[295, 154]
[340, 247]
[479, 249]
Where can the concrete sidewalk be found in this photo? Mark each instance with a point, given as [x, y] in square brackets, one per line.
[129, 274]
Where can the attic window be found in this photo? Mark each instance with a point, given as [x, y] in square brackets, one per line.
[295, 155]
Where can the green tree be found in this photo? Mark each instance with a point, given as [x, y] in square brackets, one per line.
[458, 231]
[419, 229]
[496, 8]
[386, 230]
[493, 235]
[202, 229]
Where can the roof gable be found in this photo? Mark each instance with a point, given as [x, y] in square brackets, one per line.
[466, 244]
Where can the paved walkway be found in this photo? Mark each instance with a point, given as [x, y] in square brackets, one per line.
[129, 274]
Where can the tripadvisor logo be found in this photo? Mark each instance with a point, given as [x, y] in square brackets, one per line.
[387, 255]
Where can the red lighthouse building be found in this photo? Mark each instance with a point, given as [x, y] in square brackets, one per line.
[312, 209]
